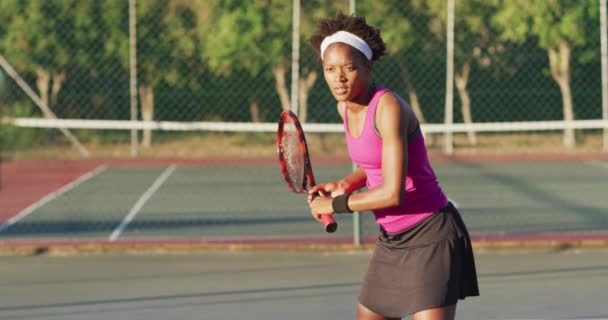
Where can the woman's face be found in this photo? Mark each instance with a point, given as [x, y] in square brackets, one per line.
[347, 72]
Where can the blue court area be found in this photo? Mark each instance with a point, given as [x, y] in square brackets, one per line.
[247, 202]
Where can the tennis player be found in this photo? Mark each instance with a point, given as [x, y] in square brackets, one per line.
[423, 262]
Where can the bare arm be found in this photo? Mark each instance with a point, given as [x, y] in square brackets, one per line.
[394, 119]
[348, 184]
[354, 181]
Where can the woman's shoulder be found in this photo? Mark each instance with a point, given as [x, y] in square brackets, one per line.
[388, 95]
[394, 104]
[390, 99]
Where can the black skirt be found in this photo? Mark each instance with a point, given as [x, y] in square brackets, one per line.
[429, 265]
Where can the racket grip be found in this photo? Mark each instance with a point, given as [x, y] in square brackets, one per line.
[329, 223]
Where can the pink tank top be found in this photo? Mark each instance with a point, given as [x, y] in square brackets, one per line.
[423, 195]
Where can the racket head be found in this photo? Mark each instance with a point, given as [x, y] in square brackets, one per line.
[294, 159]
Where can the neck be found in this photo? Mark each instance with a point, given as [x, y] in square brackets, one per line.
[362, 100]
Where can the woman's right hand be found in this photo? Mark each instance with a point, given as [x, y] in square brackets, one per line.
[331, 189]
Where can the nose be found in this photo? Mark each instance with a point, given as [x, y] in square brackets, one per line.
[340, 77]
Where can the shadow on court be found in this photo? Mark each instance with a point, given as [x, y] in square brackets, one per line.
[42, 228]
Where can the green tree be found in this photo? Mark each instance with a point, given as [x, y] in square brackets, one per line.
[475, 42]
[44, 38]
[252, 38]
[559, 27]
[258, 36]
[167, 46]
[397, 22]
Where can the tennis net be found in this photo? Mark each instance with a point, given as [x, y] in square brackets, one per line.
[493, 137]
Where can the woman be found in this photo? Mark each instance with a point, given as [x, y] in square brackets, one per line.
[422, 262]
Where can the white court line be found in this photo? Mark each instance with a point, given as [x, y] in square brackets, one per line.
[50, 197]
[142, 200]
[599, 164]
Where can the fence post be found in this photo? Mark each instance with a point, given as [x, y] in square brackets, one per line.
[448, 146]
[295, 57]
[604, 43]
[133, 73]
[356, 214]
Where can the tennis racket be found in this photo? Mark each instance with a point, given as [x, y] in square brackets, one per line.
[294, 160]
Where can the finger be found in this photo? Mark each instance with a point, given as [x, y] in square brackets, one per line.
[316, 217]
[323, 193]
[310, 199]
[313, 197]
[314, 190]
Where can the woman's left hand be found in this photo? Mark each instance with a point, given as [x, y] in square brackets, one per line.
[321, 205]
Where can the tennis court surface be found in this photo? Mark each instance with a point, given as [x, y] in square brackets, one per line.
[225, 239]
[282, 285]
[72, 202]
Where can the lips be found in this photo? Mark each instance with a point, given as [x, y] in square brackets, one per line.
[340, 91]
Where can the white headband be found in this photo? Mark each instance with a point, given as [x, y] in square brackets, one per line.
[350, 39]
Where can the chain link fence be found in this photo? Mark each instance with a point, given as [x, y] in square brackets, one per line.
[231, 61]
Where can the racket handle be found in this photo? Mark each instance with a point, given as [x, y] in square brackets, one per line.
[329, 223]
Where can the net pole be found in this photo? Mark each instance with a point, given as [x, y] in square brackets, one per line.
[448, 146]
[356, 214]
[133, 73]
[604, 44]
[295, 57]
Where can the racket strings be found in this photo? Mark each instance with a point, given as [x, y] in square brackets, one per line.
[293, 155]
